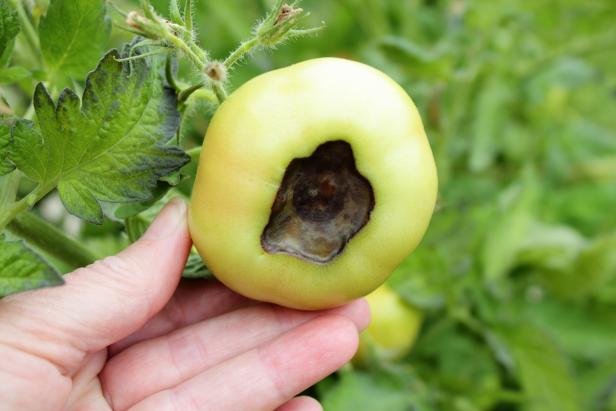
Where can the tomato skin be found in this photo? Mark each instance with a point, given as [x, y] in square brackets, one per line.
[393, 329]
[286, 114]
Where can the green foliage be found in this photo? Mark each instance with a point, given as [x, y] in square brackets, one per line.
[137, 217]
[195, 268]
[108, 147]
[5, 139]
[518, 99]
[13, 75]
[22, 269]
[9, 27]
[73, 34]
[517, 273]
[543, 372]
[377, 391]
[592, 269]
[512, 223]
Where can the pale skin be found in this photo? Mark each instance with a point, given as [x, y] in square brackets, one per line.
[126, 334]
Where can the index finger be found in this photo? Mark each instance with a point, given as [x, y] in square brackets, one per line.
[266, 377]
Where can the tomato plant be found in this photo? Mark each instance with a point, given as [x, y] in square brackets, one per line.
[515, 277]
[114, 144]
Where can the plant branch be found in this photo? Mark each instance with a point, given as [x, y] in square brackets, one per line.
[198, 61]
[8, 188]
[28, 29]
[48, 238]
[219, 91]
[169, 73]
[240, 52]
[280, 24]
[188, 18]
[184, 94]
[194, 153]
[10, 212]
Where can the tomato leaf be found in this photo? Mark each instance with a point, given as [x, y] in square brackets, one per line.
[491, 108]
[73, 35]
[5, 139]
[591, 272]
[597, 384]
[357, 390]
[109, 147]
[13, 74]
[585, 332]
[9, 28]
[371, 391]
[513, 221]
[22, 269]
[553, 247]
[543, 372]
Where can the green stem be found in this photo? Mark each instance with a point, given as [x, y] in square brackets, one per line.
[28, 29]
[219, 90]
[194, 153]
[50, 239]
[184, 94]
[9, 185]
[240, 52]
[188, 18]
[200, 63]
[8, 214]
[169, 73]
[205, 94]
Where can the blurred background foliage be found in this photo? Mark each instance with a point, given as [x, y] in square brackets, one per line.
[516, 277]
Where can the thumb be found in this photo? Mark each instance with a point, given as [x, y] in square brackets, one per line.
[103, 302]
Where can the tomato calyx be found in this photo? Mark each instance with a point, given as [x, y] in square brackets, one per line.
[322, 202]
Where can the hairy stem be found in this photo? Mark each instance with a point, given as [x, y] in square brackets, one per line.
[48, 238]
[240, 52]
[198, 61]
[219, 90]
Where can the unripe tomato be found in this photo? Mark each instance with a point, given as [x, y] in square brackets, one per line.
[393, 329]
[315, 181]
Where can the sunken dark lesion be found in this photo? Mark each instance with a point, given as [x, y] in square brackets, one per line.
[322, 202]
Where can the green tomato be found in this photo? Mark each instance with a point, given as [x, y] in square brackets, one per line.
[393, 329]
[315, 181]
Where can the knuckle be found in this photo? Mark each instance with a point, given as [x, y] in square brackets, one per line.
[116, 265]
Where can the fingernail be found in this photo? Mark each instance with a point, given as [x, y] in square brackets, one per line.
[171, 218]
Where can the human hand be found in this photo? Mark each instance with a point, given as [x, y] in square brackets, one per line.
[121, 334]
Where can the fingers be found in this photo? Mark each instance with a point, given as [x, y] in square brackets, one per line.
[193, 301]
[103, 302]
[266, 377]
[302, 403]
[164, 362]
[19, 372]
